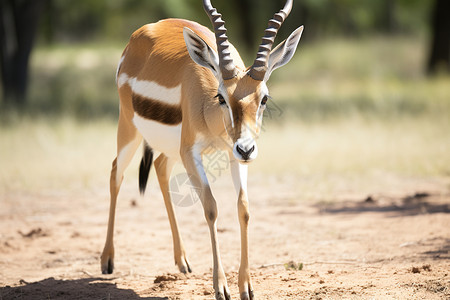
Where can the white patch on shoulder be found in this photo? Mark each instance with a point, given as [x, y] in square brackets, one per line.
[160, 137]
[123, 78]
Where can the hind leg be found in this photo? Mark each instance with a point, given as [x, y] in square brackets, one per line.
[164, 166]
[128, 140]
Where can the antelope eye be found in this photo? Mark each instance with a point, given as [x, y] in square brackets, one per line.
[221, 99]
[264, 100]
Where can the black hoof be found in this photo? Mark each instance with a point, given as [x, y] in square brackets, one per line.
[185, 269]
[247, 295]
[109, 269]
[220, 296]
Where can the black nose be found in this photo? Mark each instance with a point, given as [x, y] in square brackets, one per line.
[245, 154]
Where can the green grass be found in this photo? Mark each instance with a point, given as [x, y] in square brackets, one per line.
[346, 112]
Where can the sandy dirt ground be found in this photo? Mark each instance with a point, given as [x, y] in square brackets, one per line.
[390, 245]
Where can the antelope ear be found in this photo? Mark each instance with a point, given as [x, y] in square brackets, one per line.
[200, 52]
[283, 53]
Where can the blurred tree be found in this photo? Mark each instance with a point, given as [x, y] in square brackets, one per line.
[249, 19]
[439, 59]
[244, 10]
[388, 17]
[18, 24]
[115, 20]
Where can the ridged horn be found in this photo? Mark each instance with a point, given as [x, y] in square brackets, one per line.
[259, 67]
[226, 64]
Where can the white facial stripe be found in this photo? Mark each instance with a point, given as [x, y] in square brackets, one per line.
[264, 89]
[260, 111]
[259, 114]
[151, 89]
[223, 92]
[226, 127]
[231, 116]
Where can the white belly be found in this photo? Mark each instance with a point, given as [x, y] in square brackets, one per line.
[160, 137]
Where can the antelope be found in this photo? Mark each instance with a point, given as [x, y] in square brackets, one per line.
[183, 88]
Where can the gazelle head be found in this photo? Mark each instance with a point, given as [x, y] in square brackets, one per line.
[242, 93]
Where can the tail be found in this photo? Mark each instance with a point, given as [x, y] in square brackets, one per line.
[144, 168]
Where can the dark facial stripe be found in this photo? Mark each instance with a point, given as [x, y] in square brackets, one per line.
[157, 111]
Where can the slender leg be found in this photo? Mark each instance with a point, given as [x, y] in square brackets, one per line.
[239, 173]
[128, 140]
[194, 167]
[164, 166]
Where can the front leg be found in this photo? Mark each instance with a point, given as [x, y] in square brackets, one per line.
[192, 161]
[239, 173]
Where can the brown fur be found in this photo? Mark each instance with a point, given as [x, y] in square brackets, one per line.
[157, 111]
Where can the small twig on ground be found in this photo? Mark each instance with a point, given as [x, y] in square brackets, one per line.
[314, 263]
[87, 273]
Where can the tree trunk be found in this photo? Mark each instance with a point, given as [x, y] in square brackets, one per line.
[439, 59]
[388, 20]
[244, 10]
[18, 24]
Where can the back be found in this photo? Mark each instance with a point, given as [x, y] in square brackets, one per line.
[156, 52]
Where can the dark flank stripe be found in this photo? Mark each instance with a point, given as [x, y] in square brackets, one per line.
[156, 110]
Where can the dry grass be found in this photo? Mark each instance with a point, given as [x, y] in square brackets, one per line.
[64, 154]
[325, 158]
[415, 147]
[354, 159]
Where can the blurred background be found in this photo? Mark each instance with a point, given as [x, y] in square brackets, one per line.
[364, 105]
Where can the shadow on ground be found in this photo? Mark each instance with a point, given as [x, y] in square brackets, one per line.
[86, 288]
[417, 204]
[443, 250]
